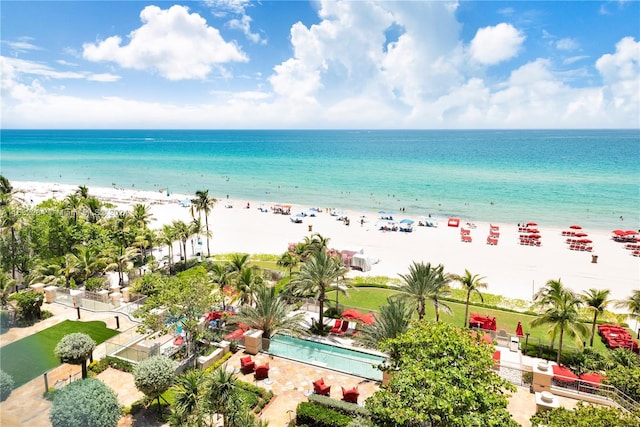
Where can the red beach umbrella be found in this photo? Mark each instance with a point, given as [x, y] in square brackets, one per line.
[519, 330]
[581, 234]
[575, 227]
[630, 232]
[532, 224]
[534, 236]
[585, 241]
[619, 232]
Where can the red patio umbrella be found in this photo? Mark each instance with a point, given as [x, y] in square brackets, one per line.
[368, 318]
[519, 330]
[575, 227]
[351, 314]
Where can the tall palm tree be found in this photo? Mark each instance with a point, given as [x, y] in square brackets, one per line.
[119, 259]
[182, 233]
[546, 297]
[141, 215]
[221, 276]
[632, 305]
[11, 221]
[562, 315]
[6, 189]
[88, 261]
[316, 276]
[595, 300]
[187, 408]
[393, 320]
[246, 282]
[470, 283]
[167, 236]
[288, 260]
[270, 314]
[204, 203]
[82, 191]
[6, 285]
[238, 262]
[74, 205]
[423, 283]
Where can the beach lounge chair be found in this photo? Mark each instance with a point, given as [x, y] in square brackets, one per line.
[247, 365]
[336, 327]
[343, 328]
[350, 395]
[262, 371]
[465, 238]
[319, 387]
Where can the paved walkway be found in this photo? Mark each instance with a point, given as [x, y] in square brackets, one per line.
[290, 381]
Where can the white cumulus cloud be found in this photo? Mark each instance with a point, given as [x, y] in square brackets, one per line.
[175, 43]
[492, 45]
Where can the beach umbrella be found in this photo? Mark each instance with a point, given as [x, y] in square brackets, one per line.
[382, 212]
[585, 241]
[581, 234]
[575, 227]
[534, 236]
[351, 314]
[619, 232]
[519, 330]
[406, 221]
[630, 232]
[532, 224]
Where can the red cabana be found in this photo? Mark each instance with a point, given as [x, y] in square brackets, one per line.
[564, 374]
[351, 314]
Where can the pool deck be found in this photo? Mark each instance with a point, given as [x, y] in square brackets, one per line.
[290, 381]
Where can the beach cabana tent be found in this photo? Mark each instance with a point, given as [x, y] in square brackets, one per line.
[351, 314]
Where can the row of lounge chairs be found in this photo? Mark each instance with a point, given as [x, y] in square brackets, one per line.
[615, 336]
[494, 234]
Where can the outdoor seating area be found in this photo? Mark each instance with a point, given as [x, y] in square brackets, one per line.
[479, 321]
[247, 365]
[529, 234]
[465, 235]
[614, 336]
[262, 371]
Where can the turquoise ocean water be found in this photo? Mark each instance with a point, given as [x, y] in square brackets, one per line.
[554, 177]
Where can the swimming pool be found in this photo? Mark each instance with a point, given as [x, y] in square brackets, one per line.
[354, 362]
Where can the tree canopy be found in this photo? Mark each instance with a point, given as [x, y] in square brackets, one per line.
[441, 376]
[85, 403]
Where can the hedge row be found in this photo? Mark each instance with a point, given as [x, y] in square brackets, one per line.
[341, 406]
[312, 415]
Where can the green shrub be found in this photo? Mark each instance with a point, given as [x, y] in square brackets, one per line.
[50, 394]
[6, 385]
[338, 405]
[215, 365]
[98, 366]
[87, 403]
[316, 416]
[95, 283]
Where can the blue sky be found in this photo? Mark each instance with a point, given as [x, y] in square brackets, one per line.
[324, 64]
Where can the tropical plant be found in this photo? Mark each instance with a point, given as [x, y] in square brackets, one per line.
[222, 393]
[221, 276]
[6, 286]
[87, 262]
[470, 283]
[28, 305]
[562, 314]
[595, 300]
[631, 304]
[6, 189]
[204, 203]
[183, 233]
[238, 262]
[270, 314]
[141, 215]
[288, 260]
[120, 259]
[6, 385]
[546, 296]
[88, 403]
[423, 283]
[585, 415]
[154, 376]
[166, 237]
[392, 321]
[188, 404]
[75, 348]
[317, 274]
[246, 281]
[10, 223]
[626, 379]
[438, 373]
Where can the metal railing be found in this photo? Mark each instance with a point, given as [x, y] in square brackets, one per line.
[602, 391]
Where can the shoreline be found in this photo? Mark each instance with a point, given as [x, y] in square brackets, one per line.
[511, 270]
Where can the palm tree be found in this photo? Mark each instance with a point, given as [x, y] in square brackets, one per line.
[204, 203]
[141, 215]
[470, 283]
[182, 232]
[221, 393]
[188, 400]
[10, 223]
[6, 189]
[392, 321]
[271, 315]
[246, 281]
[632, 304]
[562, 315]
[82, 191]
[167, 236]
[425, 283]
[288, 260]
[221, 277]
[6, 285]
[547, 295]
[119, 259]
[73, 203]
[238, 262]
[316, 276]
[596, 301]
[88, 261]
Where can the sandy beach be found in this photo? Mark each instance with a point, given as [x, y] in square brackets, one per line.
[511, 270]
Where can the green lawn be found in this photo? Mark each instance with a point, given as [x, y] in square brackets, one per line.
[32, 356]
[372, 298]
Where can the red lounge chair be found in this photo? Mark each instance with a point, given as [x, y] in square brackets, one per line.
[336, 327]
[496, 359]
[343, 328]
[350, 395]
[262, 371]
[247, 365]
[319, 387]
[466, 238]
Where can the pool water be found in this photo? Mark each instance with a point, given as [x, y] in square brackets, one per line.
[354, 362]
